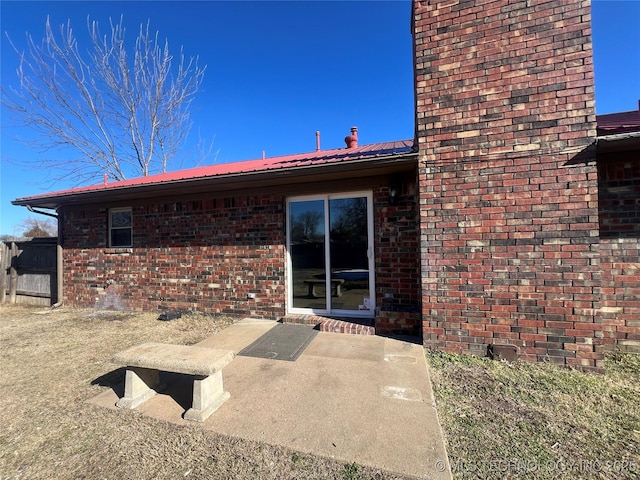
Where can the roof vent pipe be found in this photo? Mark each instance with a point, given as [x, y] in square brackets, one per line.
[352, 140]
[317, 141]
[106, 179]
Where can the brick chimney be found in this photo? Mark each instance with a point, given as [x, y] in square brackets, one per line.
[504, 107]
[503, 76]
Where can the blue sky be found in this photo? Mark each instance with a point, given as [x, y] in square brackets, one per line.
[279, 71]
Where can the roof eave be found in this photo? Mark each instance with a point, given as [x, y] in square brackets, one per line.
[227, 182]
[618, 142]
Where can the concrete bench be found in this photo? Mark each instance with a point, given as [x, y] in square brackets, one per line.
[145, 362]
[335, 286]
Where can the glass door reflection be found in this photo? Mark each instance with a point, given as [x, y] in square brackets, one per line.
[349, 247]
[307, 249]
[330, 250]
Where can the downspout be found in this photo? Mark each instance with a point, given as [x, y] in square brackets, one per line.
[59, 252]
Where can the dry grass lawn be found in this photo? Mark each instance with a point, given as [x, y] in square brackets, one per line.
[53, 361]
[519, 420]
[500, 420]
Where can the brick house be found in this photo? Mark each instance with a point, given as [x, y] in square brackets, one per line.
[258, 238]
[509, 220]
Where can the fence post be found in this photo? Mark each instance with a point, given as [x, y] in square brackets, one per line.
[59, 273]
[13, 273]
[4, 253]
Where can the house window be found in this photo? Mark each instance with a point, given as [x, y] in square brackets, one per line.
[120, 231]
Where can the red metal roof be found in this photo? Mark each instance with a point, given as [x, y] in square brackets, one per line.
[616, 123]
[338, 155]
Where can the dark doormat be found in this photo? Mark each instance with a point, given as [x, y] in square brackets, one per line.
[283, 342]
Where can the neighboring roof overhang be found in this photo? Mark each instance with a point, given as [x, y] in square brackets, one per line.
[616, 123]
[324, 166]
[619, 142]
[618, 132]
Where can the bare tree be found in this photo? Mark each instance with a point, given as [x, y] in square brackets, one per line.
[38, 228]
[305, 226]
[123, 114]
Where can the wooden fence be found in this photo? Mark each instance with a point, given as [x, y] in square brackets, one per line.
[28, 272]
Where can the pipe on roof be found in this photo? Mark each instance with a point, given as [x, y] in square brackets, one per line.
[352, 140]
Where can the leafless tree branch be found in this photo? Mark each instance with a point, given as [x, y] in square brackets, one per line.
[123, 114]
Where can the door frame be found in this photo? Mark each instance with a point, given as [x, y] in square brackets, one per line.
[326, 197]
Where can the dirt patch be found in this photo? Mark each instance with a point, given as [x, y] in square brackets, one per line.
[53, 361]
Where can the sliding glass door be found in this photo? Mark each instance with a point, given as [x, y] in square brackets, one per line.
[330, 253]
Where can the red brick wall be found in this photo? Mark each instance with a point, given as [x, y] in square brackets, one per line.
[508, 191]
[206, 255]
[209, 254]
[397, 260]
[619, 205]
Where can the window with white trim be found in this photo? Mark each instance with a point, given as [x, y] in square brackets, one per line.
[120, 227]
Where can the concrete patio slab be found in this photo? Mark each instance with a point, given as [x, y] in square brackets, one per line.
[362, 399]
[238, 335]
